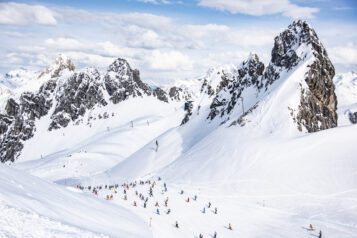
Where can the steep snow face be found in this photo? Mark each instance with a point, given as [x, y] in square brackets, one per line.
[346, 90]
[53, 210]
[247, 75]
[211, 84]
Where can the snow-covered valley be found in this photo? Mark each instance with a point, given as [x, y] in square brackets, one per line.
[271, 147]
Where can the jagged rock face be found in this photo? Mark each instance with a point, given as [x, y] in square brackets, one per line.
[82, 92]
[249, 74]
[284, 55]
[122, 82]
[61, 63]
[18, 124]
[160, 94]
[318, 103]
[353, 117]
[180, 94]
[174, 93]
[317, 110]
[69, 98]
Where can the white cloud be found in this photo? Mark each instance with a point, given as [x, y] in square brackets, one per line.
[346, 54]
[23, 14]
[64, 43]
[259, 7]
[172, 60]
[148, 1]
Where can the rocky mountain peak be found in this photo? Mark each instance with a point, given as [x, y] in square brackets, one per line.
[318, 104]
[122, 82]
[60, 64]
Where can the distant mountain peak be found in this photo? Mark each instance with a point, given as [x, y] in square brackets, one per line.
[60, 64]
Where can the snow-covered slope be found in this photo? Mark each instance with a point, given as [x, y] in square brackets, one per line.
[32, 207]
[346, 90]
[260, 143]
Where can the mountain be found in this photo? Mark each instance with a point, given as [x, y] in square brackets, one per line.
[68, 96]
[346, 90]
[299, 61]
[268, 145]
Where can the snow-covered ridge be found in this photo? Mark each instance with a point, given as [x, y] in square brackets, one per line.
[69, 96]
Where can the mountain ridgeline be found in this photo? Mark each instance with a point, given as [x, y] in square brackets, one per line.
[66, 95]
[298, 47]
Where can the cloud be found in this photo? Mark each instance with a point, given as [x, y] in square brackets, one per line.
[172, 60]
[155, 1]
[346, 54]
[259, 8]
[23, 14]
[148, 1]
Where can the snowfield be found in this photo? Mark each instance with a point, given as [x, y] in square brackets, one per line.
[32, 207]
[132, 167]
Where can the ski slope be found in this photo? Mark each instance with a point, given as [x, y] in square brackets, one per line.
[32, 207]
[258, 175]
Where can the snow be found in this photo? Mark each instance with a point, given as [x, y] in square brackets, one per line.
[32, 207]
[266, 178]
[346, 91]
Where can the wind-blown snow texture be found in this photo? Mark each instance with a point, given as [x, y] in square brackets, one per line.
[246, 146]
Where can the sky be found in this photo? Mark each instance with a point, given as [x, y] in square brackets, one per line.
[167, 39]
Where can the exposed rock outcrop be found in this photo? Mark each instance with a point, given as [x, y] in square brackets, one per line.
[80, 93]
[69, 97]
[122, 82]
[248, 75]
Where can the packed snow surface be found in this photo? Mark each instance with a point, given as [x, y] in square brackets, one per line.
[265, 178]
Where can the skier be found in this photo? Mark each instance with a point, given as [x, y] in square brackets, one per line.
[157, 211]
[125, 197]
[201, 236]
[215, 210]
[165, 203]
[215, 235]
[229, 226]
[124, 191]
[311, 227]
[204, 210]
[195, 198]
[134, 203]
[157, 145]
[188, 199]
[320, 234]
[107, 197]
[111, 196]
[181, 192]
[156, 204]
[176, 225]
[144, 204]
[168, 211]
[209, 204]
